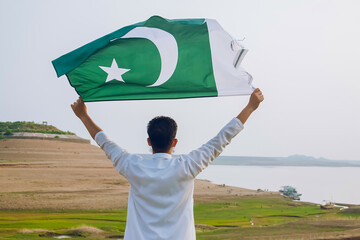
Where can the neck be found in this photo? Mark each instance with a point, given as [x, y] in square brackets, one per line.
[168, 152]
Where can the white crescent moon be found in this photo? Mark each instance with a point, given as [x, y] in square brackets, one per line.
[167, 46]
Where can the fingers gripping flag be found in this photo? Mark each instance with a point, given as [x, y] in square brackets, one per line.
[158, 59]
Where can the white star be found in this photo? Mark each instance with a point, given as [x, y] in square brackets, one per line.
[114, 72]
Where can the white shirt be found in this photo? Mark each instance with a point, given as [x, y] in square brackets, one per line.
[160, 202]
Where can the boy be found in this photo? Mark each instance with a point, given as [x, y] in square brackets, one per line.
[160, 204]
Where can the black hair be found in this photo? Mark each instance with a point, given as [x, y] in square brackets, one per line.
[161, 131]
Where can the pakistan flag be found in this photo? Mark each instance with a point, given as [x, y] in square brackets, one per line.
[158, 59]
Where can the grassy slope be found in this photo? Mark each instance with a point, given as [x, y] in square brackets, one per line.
[30, 127]
[272, 215]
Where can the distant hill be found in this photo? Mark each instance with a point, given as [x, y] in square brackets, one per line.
[8, 128]
[290, 161]
[294, 160]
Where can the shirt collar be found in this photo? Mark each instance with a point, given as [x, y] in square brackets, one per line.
[162, 155]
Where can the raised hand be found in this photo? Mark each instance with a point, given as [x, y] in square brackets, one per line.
[79, 108]
[80, 111]
[255, 99]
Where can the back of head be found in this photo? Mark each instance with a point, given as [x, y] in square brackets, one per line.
[161, 131]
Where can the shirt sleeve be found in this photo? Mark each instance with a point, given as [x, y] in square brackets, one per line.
[200, 158]
[118, 156]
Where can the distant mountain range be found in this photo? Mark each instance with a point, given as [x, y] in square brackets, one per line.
[294, 160]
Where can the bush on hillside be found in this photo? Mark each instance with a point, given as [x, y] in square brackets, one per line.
[30, 127]
[8, 132]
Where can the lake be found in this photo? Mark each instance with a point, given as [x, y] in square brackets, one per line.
[338, 184]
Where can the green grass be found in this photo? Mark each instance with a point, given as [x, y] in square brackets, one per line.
[271, 215]
[261, 211]
[112, 222]
[9, 127]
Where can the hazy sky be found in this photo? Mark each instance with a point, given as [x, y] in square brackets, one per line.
[304, 56]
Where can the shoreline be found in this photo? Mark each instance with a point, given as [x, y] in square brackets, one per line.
[274, 192]
[316, 184]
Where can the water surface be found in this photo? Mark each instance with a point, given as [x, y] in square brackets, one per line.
[338, 184]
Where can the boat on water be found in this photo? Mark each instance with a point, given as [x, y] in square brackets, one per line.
[290, 192]
[326, 204]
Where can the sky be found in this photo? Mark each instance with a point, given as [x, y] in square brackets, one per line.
[303, 55]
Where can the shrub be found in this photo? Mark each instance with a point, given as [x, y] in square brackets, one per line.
[20, 126]
[8, 132]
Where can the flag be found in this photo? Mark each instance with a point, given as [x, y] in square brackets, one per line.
[158, 59]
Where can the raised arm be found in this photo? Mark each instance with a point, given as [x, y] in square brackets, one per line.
[200, 158]
[116, 154]
[80, 111]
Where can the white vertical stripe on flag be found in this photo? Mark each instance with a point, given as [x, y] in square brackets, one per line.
[230, 80]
